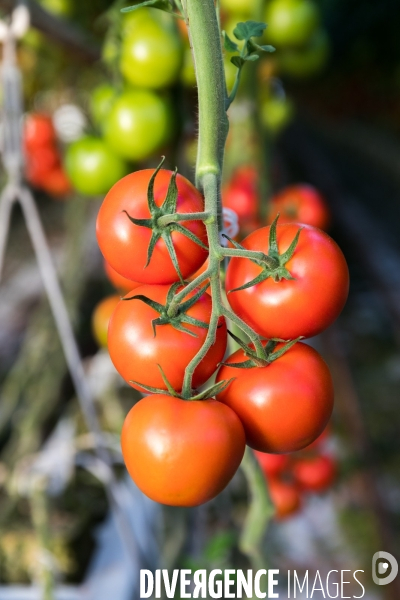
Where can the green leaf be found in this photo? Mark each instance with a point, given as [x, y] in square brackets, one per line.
[249, 29]
[251, 57]
[229, 45]
[238, 61]
[253, 47]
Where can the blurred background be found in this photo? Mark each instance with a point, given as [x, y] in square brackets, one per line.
[315, 134]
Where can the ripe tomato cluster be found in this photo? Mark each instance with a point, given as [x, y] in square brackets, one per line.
[43, 167]
[180, 449]
[291, 477]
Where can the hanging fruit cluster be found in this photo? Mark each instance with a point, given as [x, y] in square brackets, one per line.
[134, 118]
[43, 168]
[291, 477]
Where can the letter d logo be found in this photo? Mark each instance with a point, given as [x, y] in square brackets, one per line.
[384, 563]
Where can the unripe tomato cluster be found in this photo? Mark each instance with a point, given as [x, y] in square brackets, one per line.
[291, 477]
[43, 167]
[183, 451]
[137, 120]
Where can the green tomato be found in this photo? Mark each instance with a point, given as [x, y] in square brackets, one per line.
[139, 123]
[57, 7]
[291, 22]
[237, 7]
[92, 167]
[101, 101]
[307, 61]
[276, 114]
[132, 21]
[151, 56]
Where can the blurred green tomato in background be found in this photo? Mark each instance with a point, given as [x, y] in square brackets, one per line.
[151, 55]
[92, 167]
[291, 22]
[101, 101]
[308, 60]
[139, 123]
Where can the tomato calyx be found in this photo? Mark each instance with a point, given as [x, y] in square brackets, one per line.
[179, 316]
[274, 263]
[206, 394]
[254, 360]
[164, 230]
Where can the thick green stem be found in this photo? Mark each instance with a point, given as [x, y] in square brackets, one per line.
[177, 217]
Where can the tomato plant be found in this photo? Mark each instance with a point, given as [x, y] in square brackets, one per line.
[120, 239]
[92, 167]
[101, 318]
[285, 405]
[300, 203]
[138, 124]
[302, 301]
[181, 453]
[151, 55]
[141, 337]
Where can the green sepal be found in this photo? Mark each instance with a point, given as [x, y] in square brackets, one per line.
[269, 355]
[164, 231]
[180, 317]
[213, 390]
[278, 273]
[210, 392]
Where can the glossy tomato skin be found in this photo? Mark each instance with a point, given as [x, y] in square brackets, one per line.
[151, 56]
[315, 474]
[92, 167]
[286, 498]
[136, 352]
[101, 317]
[181, 453]
[124, 245]
[284, 406]
[300, 203]
[119, 282]
[291, 22]
[139, 123]
[272, 464]
[303, 306]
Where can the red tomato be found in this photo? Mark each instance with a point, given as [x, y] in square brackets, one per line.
[40, 163]
[38, 131]
[283, 406]
[119, 282]
[285, 497]
[56, 183]
[241, 196]
[272, 464]
[136, 351]
[181, 453]
[101, 317]
[124, 244]
[300, 204]
[315, 474]
[303, 306]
